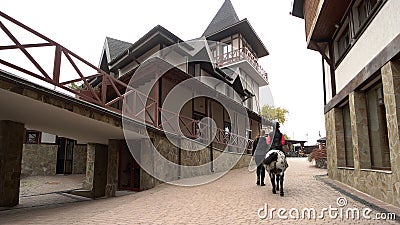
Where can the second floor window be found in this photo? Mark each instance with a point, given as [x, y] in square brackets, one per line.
[343, 41]
[227, 48]
[361, 11]
[354, 23]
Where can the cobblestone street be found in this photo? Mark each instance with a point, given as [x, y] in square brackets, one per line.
[233, 199]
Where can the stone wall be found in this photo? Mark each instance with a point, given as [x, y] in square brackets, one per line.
[39, 160]
[79, 159]
[96, 170]
[199, 158]
[381, 184]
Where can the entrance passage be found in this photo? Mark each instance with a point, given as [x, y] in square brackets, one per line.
[65, 152]
[129, 170]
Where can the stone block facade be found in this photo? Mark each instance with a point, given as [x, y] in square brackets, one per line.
[379, 183]
[41, 160]
[201, 157]
[79, 159]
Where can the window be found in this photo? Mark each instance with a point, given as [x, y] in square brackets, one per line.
[361, 11]
[354, 23]
[343, 42]
[198, 116]
[214, 52]
[227, 47]
[348, 140]
[250, 103]
[32, 137]
[377, 127]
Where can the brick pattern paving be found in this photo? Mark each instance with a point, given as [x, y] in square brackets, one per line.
[233, 199]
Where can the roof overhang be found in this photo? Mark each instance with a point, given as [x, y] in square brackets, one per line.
[157, 35]
[322, 21]
[298, 6]
[248, 33]
[327, 22]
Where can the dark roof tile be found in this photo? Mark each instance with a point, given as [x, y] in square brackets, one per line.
[225, 17]
[116, 47]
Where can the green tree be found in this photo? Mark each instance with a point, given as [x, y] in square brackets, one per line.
[271, 113]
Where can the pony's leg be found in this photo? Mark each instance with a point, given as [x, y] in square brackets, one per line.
[272, 176]
[282, 175]
[262, 176]
[277, 182]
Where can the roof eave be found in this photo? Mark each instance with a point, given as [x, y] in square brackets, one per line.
[155, 30]
[298, 9]
[260, 52]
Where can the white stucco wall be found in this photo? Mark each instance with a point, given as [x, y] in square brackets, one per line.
[328, 85]
[48, 138]
[382, 30]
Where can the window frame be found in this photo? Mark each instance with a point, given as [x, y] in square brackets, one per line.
[374, 86]
[347, 148]
[355, 32]
[37, 139]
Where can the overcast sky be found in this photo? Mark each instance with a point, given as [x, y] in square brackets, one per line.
[295, 73]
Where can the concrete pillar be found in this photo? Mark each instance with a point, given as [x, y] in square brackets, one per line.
[11, 143]
[112, 167]
[96, 170]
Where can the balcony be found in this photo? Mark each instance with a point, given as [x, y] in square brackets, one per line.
[238, 55]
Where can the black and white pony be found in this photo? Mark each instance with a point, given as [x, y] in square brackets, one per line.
[275, 163]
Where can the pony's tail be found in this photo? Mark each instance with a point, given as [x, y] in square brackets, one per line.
[271, 158]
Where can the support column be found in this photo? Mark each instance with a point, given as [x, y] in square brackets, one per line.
[359, 130]
[360, 135]
[96, 170]
[334, 141]
[11, 143]
[391, 91]
[112, 167]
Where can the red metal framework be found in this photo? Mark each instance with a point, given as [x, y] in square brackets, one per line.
[239, 55]
[110, 92]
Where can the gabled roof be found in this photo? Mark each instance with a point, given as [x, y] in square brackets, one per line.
[115, 47]
[226, 22]
[244, 27]
[225, 17]
[143, 42]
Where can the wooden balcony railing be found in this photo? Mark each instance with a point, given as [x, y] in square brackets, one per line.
[109, 93]
[238, 55]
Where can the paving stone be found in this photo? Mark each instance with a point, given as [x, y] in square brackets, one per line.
[233, 199]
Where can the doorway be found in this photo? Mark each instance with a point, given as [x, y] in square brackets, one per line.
[65, 153]
[129, 169]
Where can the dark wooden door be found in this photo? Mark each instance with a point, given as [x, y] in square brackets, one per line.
[65, 154]
[129, 170]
